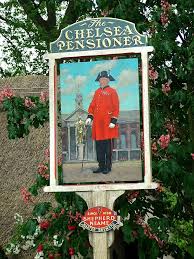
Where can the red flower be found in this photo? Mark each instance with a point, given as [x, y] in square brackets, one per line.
[153, 74]
[71, 251]
[71, 227]
[164, 18]
[192, 155]
[39, 248]
[166, 88]
[44, 224]
[51, 256]
[28, 103]
[54, 215]
[26, 195]
[165, 5]
[6, 93]
[171, 128]
[164, 141]
[42, 170]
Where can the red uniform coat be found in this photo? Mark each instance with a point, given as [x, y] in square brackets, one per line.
[104, 106]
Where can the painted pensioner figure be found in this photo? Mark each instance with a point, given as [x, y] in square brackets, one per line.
[104, 111]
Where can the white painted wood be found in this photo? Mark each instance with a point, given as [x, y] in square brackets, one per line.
[53, 124]
[104, 52]
[146, 120]
[100, 187]
[101, 241]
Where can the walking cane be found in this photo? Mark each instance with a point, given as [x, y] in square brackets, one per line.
[84, 148]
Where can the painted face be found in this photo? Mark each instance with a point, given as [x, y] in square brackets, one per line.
[104, 81]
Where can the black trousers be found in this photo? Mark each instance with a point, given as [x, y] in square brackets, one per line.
[104, 153]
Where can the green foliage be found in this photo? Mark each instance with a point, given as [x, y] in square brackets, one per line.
[41, 209]
[160, 221]
[29, 227]
[20, 117]
[182, 231]
[127, 232]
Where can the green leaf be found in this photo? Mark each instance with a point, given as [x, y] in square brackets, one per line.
[29, 227]
[191, 250]
[7, 104]
[36, 122]
[154, 250]
[34, 190]
[127, 232]
[188, 185]
[41, 209]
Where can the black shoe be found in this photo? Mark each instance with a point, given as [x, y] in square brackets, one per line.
[98, 170]
[106, 170]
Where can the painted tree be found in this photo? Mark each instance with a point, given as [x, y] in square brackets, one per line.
[160, 221]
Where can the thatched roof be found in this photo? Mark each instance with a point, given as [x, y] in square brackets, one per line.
[26, 85]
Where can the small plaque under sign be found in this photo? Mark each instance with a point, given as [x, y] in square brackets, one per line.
[100, 219]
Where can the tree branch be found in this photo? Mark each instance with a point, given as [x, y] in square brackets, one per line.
[51, 11]
[71, 15]
[33, 13]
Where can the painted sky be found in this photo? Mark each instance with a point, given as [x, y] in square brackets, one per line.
[80, 77]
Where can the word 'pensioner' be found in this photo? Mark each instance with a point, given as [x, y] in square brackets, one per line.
[101, 37]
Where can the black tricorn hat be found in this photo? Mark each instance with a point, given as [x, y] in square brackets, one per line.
[104, 74]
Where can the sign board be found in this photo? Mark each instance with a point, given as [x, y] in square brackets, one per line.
[93, 39]
[98, 34]
[78, 87]
[100, 219]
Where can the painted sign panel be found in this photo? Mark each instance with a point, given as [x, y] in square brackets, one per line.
[97, 152]
[100, 219]
[97, 34]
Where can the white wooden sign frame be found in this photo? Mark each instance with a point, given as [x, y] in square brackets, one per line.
[147, 184]
[99, 194]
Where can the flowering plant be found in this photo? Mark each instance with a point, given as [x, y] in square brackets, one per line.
[52, 231]
[22, 113]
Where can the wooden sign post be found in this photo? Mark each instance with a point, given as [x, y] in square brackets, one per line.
[101, 241]
[96, 38]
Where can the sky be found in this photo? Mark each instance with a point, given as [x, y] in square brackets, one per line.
[80, 77]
